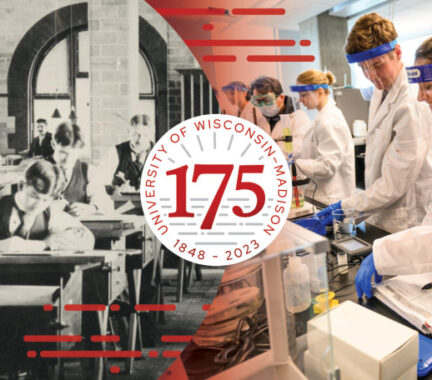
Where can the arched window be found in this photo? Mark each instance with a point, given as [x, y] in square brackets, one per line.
[36, 87]
[61, 83]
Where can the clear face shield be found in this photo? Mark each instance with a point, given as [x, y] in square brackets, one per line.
[305, 96]
[422, 76]
[373, 64]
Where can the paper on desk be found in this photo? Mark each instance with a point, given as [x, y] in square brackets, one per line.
[404, 295]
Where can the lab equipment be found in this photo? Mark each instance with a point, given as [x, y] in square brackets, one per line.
[297, 286]
[325, 215]
[424, 364]
[278, 362]
[353, 246]
[366, 345]
[364, 275]
[343, 223]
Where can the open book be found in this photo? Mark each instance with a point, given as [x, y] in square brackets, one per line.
[405, 296]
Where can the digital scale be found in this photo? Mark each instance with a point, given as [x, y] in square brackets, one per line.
[353, 246]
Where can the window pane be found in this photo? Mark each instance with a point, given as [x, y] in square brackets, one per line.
[147, 107]
[145, 79]
[83, 52]
[53, 73]
[44, 108]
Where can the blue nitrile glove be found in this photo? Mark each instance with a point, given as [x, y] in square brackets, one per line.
[325, 215]
[312, 224]
[364, 275]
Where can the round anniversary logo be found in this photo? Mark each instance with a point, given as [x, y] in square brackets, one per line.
[216, 190]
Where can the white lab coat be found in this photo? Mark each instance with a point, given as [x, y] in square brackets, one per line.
[299, 123]
[328, 156]
[395, 153]
[423, 185]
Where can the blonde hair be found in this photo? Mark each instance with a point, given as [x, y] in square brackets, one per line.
[368, 32]
[317, 77]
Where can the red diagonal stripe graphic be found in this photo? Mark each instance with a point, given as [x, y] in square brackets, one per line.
[219, 58]
[105, 338]
[258, 11]
[171, 354]
[52, 338]
[240, 42]
[155, 307]
[90, 354]
[176, 338]
[79, 307]
[191, 11]
[280, 58]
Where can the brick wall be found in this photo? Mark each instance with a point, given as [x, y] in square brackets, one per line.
[108, 25]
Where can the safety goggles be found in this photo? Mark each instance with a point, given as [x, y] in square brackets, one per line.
[371, 53]
[419, 74]
[263, 100]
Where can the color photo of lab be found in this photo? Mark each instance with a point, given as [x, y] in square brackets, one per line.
[86, 89]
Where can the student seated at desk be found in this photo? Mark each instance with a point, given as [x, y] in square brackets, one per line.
[84, 194]
[42, 144]
[124, 163]
[27, 222]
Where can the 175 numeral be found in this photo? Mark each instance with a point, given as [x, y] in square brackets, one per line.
[226, 171]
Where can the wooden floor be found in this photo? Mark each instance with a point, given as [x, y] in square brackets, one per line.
[184, 321]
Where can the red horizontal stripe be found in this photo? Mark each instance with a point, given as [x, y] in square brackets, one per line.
[176, 338]
[115, 369]
[207, 27]
[153, 354]
[281, 58]
[48, 307]
[240, 42]
[219, 58]
[155, 307]
[206, 307]
[305, 43]
[79, 307]
[52, 338]
[171, 354]
[191, 11]
[115, 307]
[258, 11]
[90, 354]
[31, 354]
[105, 338]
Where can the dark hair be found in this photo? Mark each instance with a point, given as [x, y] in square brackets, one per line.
[42, 121]
[425, 50]
[69, 134]
[264, 84]
[139, 119]
[45, 177]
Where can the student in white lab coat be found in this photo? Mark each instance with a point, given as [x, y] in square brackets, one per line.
[406, 252]
[328, 148]
[237, 94]
[421, 73]
[280, 112]
[395, 146]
